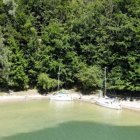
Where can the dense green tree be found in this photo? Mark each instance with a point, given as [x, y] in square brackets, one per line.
[90, 78]
[41, 36]
[4, 61]
[17, 76]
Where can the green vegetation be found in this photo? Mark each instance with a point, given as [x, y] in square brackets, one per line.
[80, 36]
[90, 78]
[46, 83]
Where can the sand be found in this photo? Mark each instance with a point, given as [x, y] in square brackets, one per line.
[21, 96]
[34, 95]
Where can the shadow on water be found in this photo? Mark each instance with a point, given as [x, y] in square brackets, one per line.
[76, 130]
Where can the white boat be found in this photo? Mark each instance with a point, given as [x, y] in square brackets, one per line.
[61, 96]
[109, 103]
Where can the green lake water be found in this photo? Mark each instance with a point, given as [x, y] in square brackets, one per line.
[49, 120]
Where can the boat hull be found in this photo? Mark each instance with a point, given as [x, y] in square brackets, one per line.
[109, 104]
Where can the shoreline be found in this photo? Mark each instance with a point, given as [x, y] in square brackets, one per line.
[34, 95]
[131, 105]
[21, 96]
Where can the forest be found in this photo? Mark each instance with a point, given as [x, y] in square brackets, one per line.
[73, 39]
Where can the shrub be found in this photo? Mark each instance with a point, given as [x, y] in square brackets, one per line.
[44, 82]
[90, 78]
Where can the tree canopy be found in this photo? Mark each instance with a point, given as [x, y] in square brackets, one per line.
[80, 36]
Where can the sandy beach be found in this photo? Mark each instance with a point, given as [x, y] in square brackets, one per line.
[34, 95]
[21, 96]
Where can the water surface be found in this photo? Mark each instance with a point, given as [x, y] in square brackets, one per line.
[45, 120]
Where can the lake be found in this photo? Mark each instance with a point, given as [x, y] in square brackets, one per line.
[56, 120]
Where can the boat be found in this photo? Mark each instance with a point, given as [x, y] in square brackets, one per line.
[61, 96]
[109, 103]
[105, 101]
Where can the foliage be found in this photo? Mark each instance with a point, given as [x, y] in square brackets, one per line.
[39, 36]
[90, 78]
[4, 62]
[45, 82]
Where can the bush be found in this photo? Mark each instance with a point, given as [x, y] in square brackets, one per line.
[44, 82]
[90, 78]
